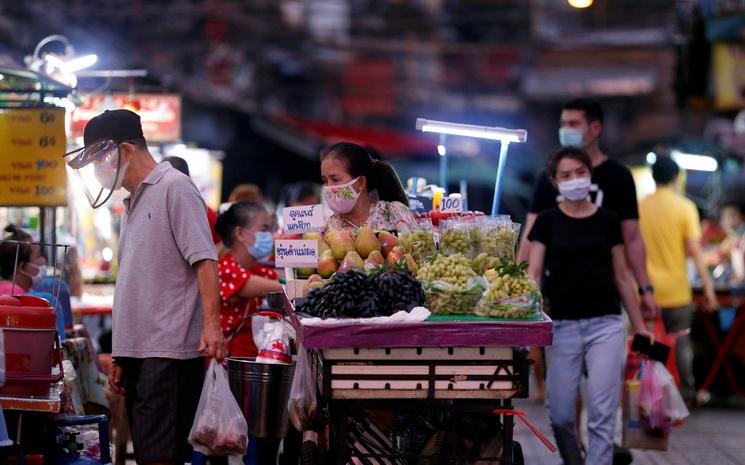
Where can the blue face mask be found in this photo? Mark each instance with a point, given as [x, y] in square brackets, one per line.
[571, 137]
[262, 246]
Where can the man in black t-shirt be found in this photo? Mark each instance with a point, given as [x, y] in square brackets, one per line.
[613, 188]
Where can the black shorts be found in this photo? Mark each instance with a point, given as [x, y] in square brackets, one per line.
[162, 396]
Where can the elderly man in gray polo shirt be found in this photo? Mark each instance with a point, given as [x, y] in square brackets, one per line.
[166, 312]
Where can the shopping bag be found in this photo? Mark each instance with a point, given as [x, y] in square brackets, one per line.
[634, 437]
[219, 427]
[652, 401]
[303, 404]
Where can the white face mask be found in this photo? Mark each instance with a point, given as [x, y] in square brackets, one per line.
[575, 189]
[41, 273]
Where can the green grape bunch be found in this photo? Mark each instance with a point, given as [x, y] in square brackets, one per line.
[419, 243]
[483, 262]
[453, 269]
[456, 241]
[499, 242]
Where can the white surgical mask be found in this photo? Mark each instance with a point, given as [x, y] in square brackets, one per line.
[36, 279]
[575, 189]
[341, 198]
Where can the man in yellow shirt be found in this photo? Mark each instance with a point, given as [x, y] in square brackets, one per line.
[671, 230]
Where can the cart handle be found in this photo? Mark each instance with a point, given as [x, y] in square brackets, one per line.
[521, 415]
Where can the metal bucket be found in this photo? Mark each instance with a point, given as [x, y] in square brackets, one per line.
[262, 391]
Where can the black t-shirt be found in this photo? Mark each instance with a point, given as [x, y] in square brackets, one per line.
[579, 280]
[616, 191]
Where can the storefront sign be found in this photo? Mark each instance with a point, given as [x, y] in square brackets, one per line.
[303, 219]
[729, 72]
[296, 253]
[32, 142]
[160, 113]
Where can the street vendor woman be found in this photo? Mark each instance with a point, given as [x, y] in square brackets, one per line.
[362, 191]
[246, 231]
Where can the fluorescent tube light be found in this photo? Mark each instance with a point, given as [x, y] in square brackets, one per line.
[695, 162]
[472, 130]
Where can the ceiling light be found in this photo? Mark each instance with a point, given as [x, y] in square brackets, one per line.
[580, 3]
[442, 150]
[651, 158]
[695, 162]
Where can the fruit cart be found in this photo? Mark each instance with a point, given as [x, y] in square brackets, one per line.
[452, 363]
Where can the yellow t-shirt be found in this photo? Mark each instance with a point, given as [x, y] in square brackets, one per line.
[667, 220]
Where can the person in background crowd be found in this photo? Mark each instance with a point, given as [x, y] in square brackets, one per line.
[21, 264]
[303, 193]
[732, 248]
[362, 191]
[166, 301]
[246, 232]
[181, 165]
[670, 226]
[247, 192]
[584, 282]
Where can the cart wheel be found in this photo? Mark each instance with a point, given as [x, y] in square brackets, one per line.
[309, 454]
[517, 454]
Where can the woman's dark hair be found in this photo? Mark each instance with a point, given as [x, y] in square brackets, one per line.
[9, 248]
[734, 203]
[381, 177]
[574, 153]
[240, 214]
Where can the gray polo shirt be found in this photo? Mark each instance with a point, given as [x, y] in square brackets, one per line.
[157, 308]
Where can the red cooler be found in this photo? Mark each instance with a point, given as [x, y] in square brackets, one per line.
[32, 347]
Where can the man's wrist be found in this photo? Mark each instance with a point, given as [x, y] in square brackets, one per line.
[648, 289]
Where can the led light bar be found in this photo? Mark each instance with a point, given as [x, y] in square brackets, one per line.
[472, 130]
[693, 161]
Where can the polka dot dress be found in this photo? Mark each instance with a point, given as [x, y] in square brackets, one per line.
[234, 308]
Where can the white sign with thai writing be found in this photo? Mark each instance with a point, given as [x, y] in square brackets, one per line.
[303, 219]
[451, 204]
[296, 253]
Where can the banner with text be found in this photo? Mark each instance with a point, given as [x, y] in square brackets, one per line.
[296, 253]
[32, 142]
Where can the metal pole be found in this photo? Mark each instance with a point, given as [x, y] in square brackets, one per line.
[442, 150]
[500, 172]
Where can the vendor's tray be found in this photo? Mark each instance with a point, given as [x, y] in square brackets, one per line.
[436, 331]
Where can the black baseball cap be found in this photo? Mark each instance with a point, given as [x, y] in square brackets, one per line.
[116, 125]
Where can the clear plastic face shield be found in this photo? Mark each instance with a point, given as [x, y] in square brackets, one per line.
[100, 169]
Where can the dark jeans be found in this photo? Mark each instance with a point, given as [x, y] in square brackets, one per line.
[677, 319]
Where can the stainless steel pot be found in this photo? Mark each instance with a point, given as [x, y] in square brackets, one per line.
[262, 391]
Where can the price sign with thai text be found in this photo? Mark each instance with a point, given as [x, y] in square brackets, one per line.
[299, 220]
[32, 171]
[296, 253]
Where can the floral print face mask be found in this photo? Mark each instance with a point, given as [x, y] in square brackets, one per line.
[341, 198]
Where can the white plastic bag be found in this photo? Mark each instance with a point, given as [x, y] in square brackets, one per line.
[303, 405]
[274, 343]
[219, 426]
[675, 406]
[660, 403]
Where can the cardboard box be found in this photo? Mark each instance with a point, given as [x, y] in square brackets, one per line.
[634, 436]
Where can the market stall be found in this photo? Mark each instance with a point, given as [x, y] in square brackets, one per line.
[432, 319]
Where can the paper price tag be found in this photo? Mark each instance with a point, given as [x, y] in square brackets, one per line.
[296, 253]
[451, 204]
[299, 220]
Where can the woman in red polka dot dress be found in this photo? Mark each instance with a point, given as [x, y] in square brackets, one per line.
[246, 231]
